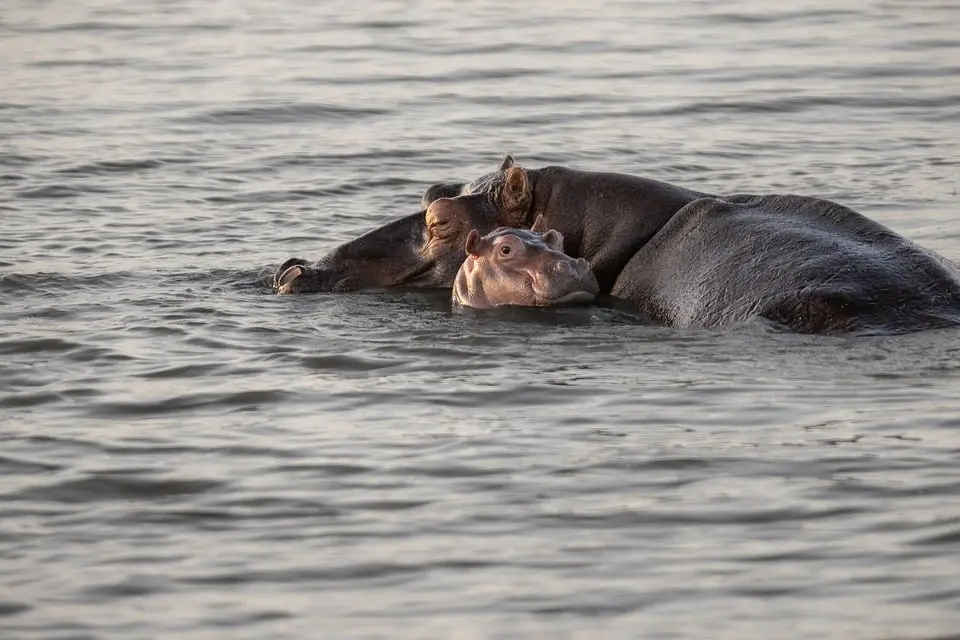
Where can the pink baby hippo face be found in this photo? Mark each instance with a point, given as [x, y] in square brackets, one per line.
[521, 267]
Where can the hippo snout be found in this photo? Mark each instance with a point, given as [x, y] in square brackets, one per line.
[580, 269]
[299, 276]
[575, 273]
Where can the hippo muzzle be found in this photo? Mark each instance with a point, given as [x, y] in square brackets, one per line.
[567, 281]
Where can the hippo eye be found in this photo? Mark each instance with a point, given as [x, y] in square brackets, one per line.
[505, 249]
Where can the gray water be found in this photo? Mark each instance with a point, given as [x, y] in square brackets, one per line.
[186, 455]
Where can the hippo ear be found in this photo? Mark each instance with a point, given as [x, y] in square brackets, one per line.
[539, 225]
[517, 193]
[507, 162]
[554, 239]
[472, 245]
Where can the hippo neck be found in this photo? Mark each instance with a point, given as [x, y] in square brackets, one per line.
[604, 217]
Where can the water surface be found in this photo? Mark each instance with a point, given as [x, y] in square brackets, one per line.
[185, 454]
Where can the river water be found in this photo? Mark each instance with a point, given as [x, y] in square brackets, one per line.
[186, 455]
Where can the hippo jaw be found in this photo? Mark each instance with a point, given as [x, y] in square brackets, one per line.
[574, 297]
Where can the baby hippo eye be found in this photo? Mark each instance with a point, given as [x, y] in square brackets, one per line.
[505, 249]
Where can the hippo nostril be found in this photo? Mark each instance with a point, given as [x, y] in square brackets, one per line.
[283, 268]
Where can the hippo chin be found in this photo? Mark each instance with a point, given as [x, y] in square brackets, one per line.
[517, 267]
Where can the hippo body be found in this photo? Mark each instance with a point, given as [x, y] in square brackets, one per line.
[686, 258]
[516, 267]
[808, 264]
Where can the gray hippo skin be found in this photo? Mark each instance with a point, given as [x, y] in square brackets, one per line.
[692, 259]
[812, 265]
[517, 267]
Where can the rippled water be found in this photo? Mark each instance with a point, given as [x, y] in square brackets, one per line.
[185, 454]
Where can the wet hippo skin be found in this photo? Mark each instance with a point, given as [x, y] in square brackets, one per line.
[686, 258]
[518, 267]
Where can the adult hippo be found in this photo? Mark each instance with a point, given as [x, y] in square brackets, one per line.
[516, 267]
[686, 258]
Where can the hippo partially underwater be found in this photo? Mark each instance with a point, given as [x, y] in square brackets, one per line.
[685, 258]
[516, 267]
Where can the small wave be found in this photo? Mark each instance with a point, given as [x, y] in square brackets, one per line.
[106, 486]
[80, 62]
[255, 399]
[23, 282]
[385, 25]
[181, 371]
[10, 466]
[447, 471]
[17, 159]
[59, 191]
[90, 25]
[133, 586]
[799, 17]
[10, 608]
[37, 345]
[324, 469]
[796, 104]
[451, 78]
[285, 114]
[705, 517]
[28, 400]
[338, 575]
[108, 167]
[949, 538]
[345, 362]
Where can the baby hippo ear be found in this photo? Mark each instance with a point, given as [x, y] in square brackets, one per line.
[472, 245]
[539, 225]
[554, 239]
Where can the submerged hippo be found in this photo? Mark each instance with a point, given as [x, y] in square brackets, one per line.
[686, 258]
[521, 268]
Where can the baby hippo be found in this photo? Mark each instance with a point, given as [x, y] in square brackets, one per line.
[522, 268]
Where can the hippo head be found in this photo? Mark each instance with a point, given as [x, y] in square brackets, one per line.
[422, 250]
[521, 268]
